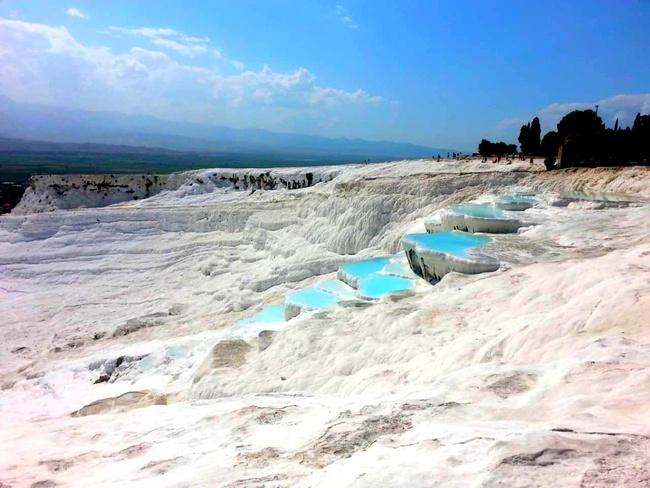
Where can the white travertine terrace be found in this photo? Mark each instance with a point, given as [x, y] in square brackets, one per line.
[516, 203]
[537, 374]
[432, 263]
[458, 219]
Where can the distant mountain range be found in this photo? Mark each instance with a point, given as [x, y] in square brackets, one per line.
[62, 125]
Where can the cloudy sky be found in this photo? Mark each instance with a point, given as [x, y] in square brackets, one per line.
[443, 74]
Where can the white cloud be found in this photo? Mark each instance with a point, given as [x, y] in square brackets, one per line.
[517, 122]
[332, 96]
[149, 32]
[342, 14]
[238, 65]
[624, 107]
[73, 12]
[174, 40]
[195, 39]
[182, 49]
[45, 64]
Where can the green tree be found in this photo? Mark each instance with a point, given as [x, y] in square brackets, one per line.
[550, 144]
[580, 123]
[534, 136]
[640, 138]
[529, 137]
[524, 134]
[487, 148]
[641, 124]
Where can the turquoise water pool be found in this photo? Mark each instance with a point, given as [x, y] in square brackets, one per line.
[398, 268]
[479, 211]
[337, 288]
[312, 299]
[270, 314]
[362, 269]
[379, 285]
[518, 199]
[454, 242]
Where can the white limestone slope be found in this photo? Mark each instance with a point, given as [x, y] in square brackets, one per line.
[534, 375]
[52, 192]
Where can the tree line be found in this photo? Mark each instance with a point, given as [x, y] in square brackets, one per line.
[583, 139]
[487, 148]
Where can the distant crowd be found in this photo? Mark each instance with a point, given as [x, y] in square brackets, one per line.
[459, 155]
[452, 155]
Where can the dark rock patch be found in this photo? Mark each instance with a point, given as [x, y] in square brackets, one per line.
[164, 466]
[615, 471]
[103, 378]
[265, 339]
[513, 384]
[131, 452]
[111, 369]
[57, 465]
[344, 439]
[272, 416]
[44, 484]
[271, 481]
[229, 354]
[259, 459]
[545, 457]
[133, 325]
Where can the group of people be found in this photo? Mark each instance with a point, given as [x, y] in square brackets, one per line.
[521, 156]
[497, 159]
[453, 155]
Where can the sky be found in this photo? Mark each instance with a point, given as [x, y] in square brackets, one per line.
[438, 73]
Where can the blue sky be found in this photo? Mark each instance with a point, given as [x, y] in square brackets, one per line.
[439, 73]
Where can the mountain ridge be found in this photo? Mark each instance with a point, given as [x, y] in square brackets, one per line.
[63, 125]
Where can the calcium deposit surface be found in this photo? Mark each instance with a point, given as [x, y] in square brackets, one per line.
[537, 374]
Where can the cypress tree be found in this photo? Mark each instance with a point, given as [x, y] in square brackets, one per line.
[523, 137]
[534, 137]
[530, 137]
